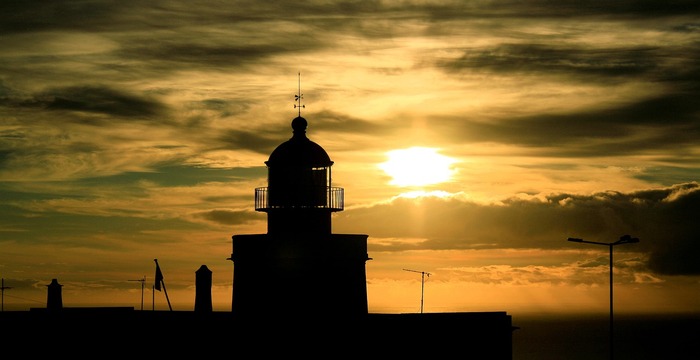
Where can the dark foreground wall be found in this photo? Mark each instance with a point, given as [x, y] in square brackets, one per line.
[98, 333]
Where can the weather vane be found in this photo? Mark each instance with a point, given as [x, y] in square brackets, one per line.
[298, 97]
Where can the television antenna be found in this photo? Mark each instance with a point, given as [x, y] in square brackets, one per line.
[142, 281]
[423, 274]
[3, 288]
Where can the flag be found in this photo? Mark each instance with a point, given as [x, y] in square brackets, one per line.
[159, 277]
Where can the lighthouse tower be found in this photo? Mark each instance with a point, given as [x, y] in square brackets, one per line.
[299, 268]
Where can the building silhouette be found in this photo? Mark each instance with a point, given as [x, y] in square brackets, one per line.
[298, 290]
[202, 295]
[54, 297]
[309, 283]
[299, 267]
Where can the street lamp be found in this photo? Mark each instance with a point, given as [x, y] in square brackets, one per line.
[624, 239]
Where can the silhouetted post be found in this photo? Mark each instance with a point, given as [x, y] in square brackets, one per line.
[202, 298]
[422, 285]
[142, 285]
[624, 239]
[3, 288]
[55, 298]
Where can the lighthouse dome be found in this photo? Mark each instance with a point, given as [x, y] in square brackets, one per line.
[299, 151]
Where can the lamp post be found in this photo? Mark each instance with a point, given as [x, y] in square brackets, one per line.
[625, 239]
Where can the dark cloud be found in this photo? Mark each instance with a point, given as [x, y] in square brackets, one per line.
[626, 9]
[100, 100]
[175, 54]
[663, 219]
[45, 15]
[554, 60]
[667, 122]
[106, 16]
[259, 141]
[62, 227]
[669, 175]
[174, 175]
[688, 27]
[265, 140]
[224, 107]
[228, 217]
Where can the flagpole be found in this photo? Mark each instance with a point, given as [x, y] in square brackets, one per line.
[160, 282]
[166, 296]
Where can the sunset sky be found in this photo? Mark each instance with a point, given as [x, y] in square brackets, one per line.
[472, 138]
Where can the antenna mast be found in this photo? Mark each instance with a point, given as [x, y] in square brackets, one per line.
[299, 96]
[142, 283]
[422, 285]
[3, 288]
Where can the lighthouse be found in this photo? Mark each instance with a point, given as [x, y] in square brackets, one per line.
[299, 268]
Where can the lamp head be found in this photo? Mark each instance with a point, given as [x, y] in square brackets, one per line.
[627, 239]
[575, 240]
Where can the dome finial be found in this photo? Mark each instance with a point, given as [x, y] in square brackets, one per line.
[299, 96]
[299, 127]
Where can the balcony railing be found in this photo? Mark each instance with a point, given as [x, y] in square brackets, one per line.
[331, 198]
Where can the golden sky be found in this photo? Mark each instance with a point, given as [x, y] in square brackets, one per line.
[472, 138]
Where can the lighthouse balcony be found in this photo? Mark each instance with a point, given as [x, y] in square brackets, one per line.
[329, 197]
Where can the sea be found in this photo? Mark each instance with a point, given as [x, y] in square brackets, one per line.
[673, 336]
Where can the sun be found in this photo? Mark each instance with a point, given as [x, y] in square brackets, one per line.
[417, 166]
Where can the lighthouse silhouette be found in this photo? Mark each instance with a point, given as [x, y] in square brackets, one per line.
[299, 269]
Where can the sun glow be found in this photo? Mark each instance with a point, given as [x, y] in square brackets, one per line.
[417, 166]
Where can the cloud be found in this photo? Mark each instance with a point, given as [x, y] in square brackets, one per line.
[100, 100]
[662, 123]
[227, 217]
[552, 60]
[661, 218]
